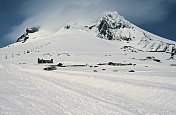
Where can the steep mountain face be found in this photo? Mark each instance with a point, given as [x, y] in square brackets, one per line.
[112, 26]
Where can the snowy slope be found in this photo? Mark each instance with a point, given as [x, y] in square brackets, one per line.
[98, 76]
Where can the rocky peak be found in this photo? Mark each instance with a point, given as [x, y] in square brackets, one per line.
[33, 29]
[114, 20]
[109, 22]
[23, 38]
[113, 26]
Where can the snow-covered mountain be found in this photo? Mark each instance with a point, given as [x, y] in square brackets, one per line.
[112, 26]
[115, 27]
[109, 67]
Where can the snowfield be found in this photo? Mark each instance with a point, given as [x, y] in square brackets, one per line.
[98, 77]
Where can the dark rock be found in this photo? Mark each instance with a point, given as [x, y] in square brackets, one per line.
[150, 58]
[23, 38]
[91, 27]
[110, 63]
[115, 70]
[95, 71]
[157, 60]
[100, 64]
[50, 68]
[96, 66]
[60, 64]
[67, 26]
[120, 64]
[32, 29]
[130, 64]
[104, 30]
[78, 65]
[131, 71]
[172, 64]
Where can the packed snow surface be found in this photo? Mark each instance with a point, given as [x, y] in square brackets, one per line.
[97, 77]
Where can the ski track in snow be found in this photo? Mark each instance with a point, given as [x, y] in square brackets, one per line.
[81, 93]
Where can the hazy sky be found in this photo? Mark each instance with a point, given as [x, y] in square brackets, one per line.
[155, 16]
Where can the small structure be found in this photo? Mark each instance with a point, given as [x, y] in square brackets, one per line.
[44, 61]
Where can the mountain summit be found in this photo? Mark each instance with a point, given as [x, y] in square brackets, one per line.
[112, 26]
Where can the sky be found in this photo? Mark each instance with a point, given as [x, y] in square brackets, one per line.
[155, 16]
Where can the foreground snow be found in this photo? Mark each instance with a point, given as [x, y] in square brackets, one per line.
[25, 88]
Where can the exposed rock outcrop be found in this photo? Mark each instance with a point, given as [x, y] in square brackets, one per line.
[23, 38]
